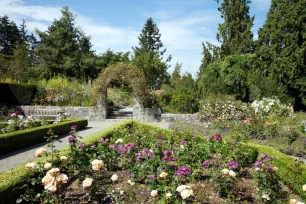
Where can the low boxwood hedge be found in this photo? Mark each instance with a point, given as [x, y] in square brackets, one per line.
[24, 138]
[292, 172]
[12, 179]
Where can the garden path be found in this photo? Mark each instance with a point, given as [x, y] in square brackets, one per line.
[18, 157]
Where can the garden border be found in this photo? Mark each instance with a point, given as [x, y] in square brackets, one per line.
[286, 165]
[27, 137]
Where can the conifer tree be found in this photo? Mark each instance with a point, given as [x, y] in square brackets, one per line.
[282, 47]
[65, 49]
[9, 36]
[235, 33]
[149, 55]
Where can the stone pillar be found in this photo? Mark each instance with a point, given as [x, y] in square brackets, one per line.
[102, 105]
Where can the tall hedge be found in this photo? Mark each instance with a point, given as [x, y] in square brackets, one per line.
[16, 94]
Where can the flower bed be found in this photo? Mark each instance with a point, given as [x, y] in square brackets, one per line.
[22, 138]
[151, 165]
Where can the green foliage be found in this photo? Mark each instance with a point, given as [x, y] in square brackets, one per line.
[61, 91]
[17, 93]
[23, 138]
[281, 47]
[184, 96]
[119, 97]
[149, 57]
[235, 33]
[65, 49]
[9, 36]
[130, 75]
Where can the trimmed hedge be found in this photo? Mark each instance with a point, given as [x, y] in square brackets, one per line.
[17, 94]
[12, 179]
[287, 165]
[24, 138]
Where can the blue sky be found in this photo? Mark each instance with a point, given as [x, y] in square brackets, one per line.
[116, 24]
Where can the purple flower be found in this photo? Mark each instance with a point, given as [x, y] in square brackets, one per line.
[183, 142]
[71, 139]
[233, 165]
[74, 127]
[211, 137]
[159, 144]
[82, 145]
[130, 146]
[70, 132]
[153, 177]
[258, 163]
[176, 148]
[92, 146]
[183, 171]
[218, 137]
[149, 153]
[193, 137]
[106, 140]
[269, 158]
[101, 140]
[168, 152]
[122, 150]
[234, 144]
[206, 164]
[112, 146]
[263, 156]
[138, 159]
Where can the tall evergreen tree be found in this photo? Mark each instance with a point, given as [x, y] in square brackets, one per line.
[65, 49]
[9, 36]
[282, 46]
[235, 33]
[149, 55]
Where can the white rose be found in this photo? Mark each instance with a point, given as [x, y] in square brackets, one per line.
[225, 172]
[87, 183]
[96, 164]
[186, 193]
[232, 173]
[292, 201]
[181, 188]
[168, 195]
[304, 187]
[299, 202]
[114, 177]
[63, 158]
[53, 171]
[154, 193]
[62, 178]
[47, 166]
[30, 165]
[163, 175]
[131, 183]
[119, 141]
[265, 196]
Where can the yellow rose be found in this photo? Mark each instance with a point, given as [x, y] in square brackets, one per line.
[47, 166]
[186, 193]
[225, 172]
[163, 175]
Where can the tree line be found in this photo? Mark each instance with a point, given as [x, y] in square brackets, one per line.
[272, 65]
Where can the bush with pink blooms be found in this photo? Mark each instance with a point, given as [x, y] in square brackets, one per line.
[141, 164]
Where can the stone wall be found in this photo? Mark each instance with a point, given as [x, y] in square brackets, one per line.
[146, 114]
[168, 117]
[90, 113]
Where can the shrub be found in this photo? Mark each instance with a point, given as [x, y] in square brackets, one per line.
[270, 107]
[223, 107]
[61, 91]
[17, 94]
[23, 138]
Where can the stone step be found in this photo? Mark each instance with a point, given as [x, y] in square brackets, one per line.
[116, 120]
[119, 117]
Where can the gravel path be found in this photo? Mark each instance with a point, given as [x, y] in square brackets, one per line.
[12, 159]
